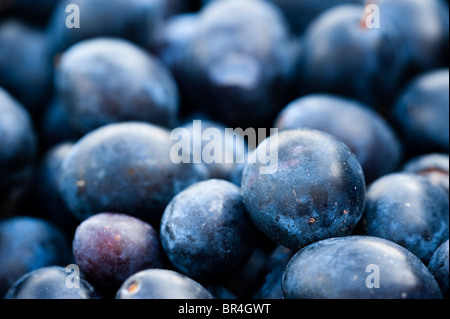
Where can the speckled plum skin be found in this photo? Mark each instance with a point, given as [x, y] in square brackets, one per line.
[50, 283]
[242, 59]
[408, 210]
[336, 268]
[205, 230]
[161, 284]
[124, 167]
[110, 247]
[317, 191]
[438, 266]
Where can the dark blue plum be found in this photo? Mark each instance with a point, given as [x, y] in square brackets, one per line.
[271, 286]
[342, 55]
[228, 147]
[125, 167]
[18, 142]
[161, 284]
[421, 113]
[108, 80]
[51, 283]
[424, 26]
[240, 63]
[26, 66]
[28, 243]
[55, 127]
[205, 230]
[439, 268]
[407, 209]
[435, 167]
[363, 130]
[315, 189]
[109, 248]
[350, 268]
[46, 187]
[135, 20]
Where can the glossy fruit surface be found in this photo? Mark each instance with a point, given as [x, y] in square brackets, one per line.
[314, 191]
[347, 268]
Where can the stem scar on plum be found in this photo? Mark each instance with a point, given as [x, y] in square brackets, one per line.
[133, 287]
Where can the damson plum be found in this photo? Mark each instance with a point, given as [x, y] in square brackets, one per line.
[408, 210]
[241, 59]
[51, 283]
[341, 54]
[109, 248]
[362, 129]
[205, 230]
[424, 26]
[435, 167]
[438, 266]
[315, 189]
[357, 267]
[29, 243]
[26, 66]
[138, 21]
[161, 284]
[106, 80]
[124, 167]
[421, 113]
[18, 142]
